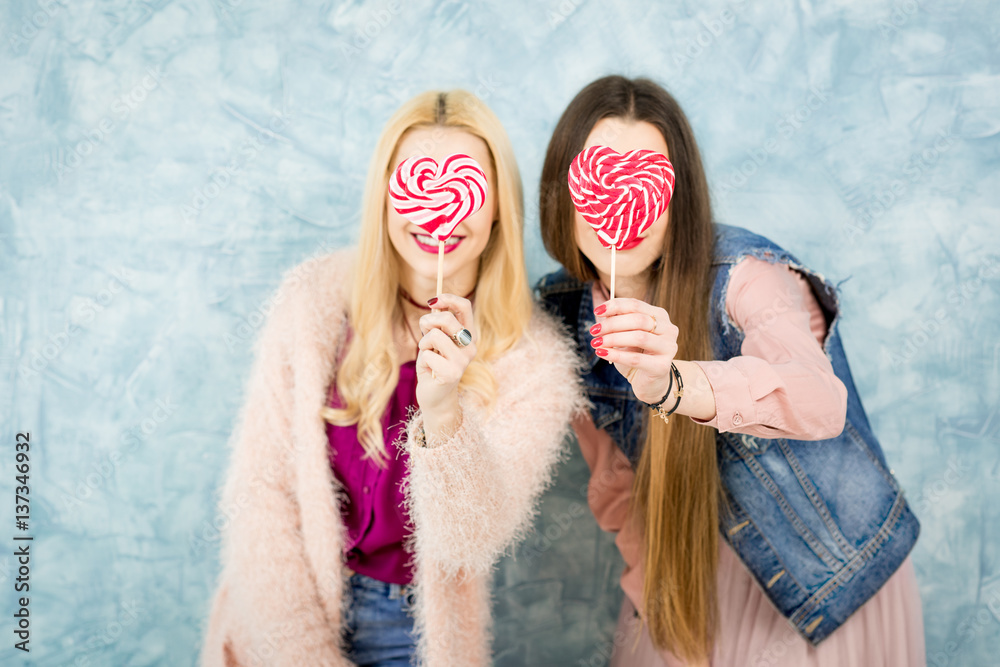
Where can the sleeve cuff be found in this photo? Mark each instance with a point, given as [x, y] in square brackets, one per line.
[416, 441]
[734, 401]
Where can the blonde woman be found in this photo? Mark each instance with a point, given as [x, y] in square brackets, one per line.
[383, 463]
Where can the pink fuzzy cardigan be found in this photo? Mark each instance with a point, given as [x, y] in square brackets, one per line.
[280, 593]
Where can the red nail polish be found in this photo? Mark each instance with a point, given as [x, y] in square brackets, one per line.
[597, 342]
[600, 309]
[431, 301]
[601, 352]
[596, 329]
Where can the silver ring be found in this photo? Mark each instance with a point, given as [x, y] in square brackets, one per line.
[462, 338]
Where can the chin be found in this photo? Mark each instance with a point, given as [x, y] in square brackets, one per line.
[425, 265]
[626, 267]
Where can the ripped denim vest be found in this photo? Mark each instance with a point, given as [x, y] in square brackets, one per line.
[821, 524]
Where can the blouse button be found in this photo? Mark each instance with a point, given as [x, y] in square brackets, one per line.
[737, 419]
[365, 489]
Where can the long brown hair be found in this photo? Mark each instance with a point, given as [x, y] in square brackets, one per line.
[675, 494]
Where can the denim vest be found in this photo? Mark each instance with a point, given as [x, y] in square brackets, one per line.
[821, 525]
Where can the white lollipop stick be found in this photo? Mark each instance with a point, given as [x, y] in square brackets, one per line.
[613, 271]
[440, 267]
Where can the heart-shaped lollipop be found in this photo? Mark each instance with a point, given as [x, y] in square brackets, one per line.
[438, 198]
[620, 195]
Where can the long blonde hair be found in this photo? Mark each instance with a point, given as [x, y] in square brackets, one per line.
[370, 370]
[676, 492]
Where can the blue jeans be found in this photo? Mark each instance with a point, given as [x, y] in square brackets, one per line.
[379, 623]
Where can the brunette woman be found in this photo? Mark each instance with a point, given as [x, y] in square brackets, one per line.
[723, 405]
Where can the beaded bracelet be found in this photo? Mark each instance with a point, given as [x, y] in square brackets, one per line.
[658, 407]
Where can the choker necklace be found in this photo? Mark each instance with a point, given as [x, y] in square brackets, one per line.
[424, 306]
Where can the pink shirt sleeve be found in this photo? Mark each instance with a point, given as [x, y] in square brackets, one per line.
[782, 385]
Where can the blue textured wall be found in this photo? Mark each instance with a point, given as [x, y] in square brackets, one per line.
[146, 214]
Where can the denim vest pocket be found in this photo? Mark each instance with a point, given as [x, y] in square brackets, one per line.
[613, 411]
[774, 464]
[776, 575]
[856, 488]
[607, 406]
[773, 497]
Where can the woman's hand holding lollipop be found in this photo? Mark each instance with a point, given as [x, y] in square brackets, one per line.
[641, 342]
[621, 196]
[445, 350]
[438, 198]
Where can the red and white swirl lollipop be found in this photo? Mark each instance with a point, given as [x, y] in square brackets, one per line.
[620, 195]
[438, 198]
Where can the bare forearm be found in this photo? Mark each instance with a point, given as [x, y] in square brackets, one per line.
[698, 400]
[442, 422]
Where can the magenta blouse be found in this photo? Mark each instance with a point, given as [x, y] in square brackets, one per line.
[374, 514]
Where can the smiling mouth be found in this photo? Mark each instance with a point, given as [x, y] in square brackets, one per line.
[429, 244]
[633, 243]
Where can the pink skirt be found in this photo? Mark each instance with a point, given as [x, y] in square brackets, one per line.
[888, 630]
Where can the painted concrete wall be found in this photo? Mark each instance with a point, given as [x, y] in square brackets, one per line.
[147, 213]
